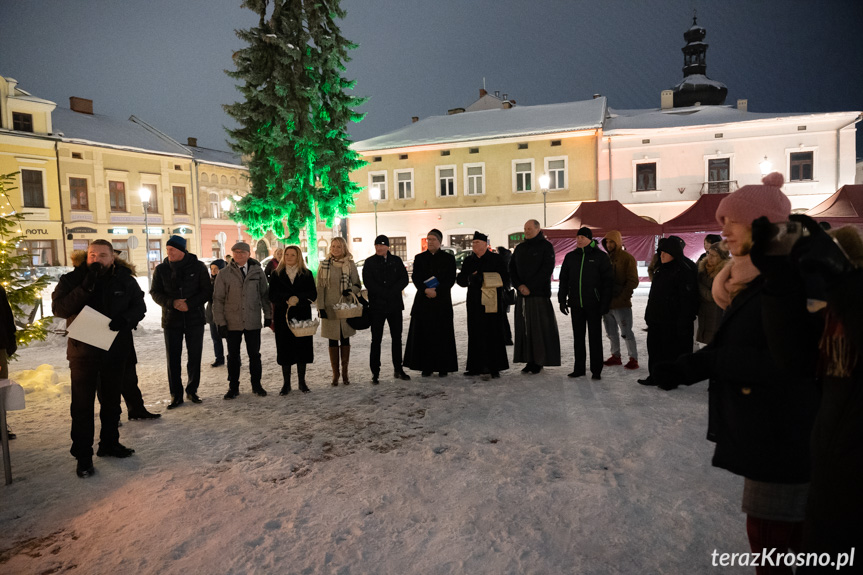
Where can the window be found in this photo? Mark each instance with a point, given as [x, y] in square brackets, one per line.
[153, 205]
[178, 167]
[522, 175]
[216, 249]
[522, 146]
[473, 178]
[473, 151]
[78, 193]
[80, 245]
[41, 252]
[117, 194]
[515, 239]
[461, 242]
[205, 179]
[179, 200]
[399, 247]
[718, 176]
[154, 257]
[22, 122]
[31, 185]
[555, 142]
[77, 156]
[800, 167]
[445, 181]
[121, 246]
[556, 170]
[405, 183]
[444, 153]
[378, 179]
[403, 156]
[645, 177]
[215, 209]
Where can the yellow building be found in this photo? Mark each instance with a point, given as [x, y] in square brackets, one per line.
[27, 146]
[476, 170]
[104, 165]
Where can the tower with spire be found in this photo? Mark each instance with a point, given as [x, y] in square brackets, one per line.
[696, 87]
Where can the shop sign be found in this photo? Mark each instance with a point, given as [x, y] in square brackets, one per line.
[81, 230]
[36, 232]
[153, 231]
[182, 230]
[119, 231]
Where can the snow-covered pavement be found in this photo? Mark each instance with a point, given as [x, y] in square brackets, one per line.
[525, 474]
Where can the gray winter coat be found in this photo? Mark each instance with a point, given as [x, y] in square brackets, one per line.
[238, 303]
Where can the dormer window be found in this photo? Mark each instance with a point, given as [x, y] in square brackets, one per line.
[22, 122]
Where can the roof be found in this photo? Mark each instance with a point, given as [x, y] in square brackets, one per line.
[210, 156]
[843, 207]
[517, 121]
[602, 217]
[99, 130]
[655, 118]
[699, 217]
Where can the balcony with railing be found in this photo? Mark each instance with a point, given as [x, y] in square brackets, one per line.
[718, 187]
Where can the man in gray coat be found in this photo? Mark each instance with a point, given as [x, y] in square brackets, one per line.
[240, 294]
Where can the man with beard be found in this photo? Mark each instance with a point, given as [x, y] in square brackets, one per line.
[484, 274]
[181, 285]
[112, 291]
[537, 341]
[431, 337]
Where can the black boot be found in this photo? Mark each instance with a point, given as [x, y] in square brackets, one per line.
[301, 377]
[85, 467]
[142, 413]
[286, 377]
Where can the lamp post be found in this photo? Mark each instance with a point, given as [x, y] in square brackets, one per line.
[765, 165]
[145, 201]
[543, 186]
[375, 194]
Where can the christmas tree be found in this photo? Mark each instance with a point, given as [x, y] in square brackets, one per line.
[23, 289]
[292, 122]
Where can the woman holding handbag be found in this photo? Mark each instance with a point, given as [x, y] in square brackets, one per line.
[292, 289]
[337, 279]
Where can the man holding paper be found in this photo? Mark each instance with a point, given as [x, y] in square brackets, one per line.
[116, 305]
[431, 336]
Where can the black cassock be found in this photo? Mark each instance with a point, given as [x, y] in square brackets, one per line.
[431, 337]
[289, 348]
[486, 335]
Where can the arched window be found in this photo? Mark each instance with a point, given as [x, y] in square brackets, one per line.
[233, 181]
[224, 181]
[205, 179]
[215, 208]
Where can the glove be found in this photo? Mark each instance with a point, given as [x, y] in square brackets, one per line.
[763, 233]
[322, 314]
[117, 324]
[347, 292]
[821, 261]
[268, 322]
[223, 331]
[564, 309]
[93, 271]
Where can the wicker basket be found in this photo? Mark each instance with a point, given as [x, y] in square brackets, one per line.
[302, 331]
[345, 313]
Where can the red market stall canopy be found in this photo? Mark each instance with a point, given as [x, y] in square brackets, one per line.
[694, 223]
[639, 234]
[843, 207]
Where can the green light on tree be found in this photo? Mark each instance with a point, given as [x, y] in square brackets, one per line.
[292, 120]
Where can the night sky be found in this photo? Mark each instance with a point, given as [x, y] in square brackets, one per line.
[163, 60]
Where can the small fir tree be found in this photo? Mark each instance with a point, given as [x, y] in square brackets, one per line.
[292, 121]
[23, 289]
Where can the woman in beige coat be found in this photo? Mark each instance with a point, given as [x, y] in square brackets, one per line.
[337, 278]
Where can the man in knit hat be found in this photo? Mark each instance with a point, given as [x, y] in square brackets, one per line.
[585, 288]
[240, 295]
[618, 320]
[216, 266]
[181, 285]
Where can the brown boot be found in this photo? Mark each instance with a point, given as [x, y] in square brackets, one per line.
[346, 355]
[334, 362]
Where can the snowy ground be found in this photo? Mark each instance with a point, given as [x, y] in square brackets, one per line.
[525, 474]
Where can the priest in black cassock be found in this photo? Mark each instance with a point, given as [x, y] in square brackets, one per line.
[431, 337]
[485, 275]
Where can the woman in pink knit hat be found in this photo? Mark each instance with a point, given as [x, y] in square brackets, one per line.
[761, 366]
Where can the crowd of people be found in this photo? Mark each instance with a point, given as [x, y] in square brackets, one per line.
[783, 368]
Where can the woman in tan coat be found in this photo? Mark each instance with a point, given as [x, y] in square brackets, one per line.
[337, 278]
[709, 314]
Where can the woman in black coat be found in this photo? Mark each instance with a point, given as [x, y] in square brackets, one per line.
[292, 289]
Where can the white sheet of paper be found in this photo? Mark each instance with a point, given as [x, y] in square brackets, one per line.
[92, 327]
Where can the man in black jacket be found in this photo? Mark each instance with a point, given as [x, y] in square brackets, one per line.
[112, 291]
[181, 285]
[586, 279]
[385, 277]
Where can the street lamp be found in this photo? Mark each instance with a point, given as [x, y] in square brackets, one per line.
[226, 205]
[375, 194]
[543, 186]
[766, 165]
[144, 192]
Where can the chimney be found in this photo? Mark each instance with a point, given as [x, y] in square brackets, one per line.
[454, 111]
[81, 105]
[666, 99]
[507, 105]
[743, 105]
[595, 96]
[505, 96]
[193, 142]
[415, 119]
[482, 92]
[497, 93]
[12, 83]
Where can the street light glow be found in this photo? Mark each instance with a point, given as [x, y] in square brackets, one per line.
[145, 195]
[544, 180]
[375, 193]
